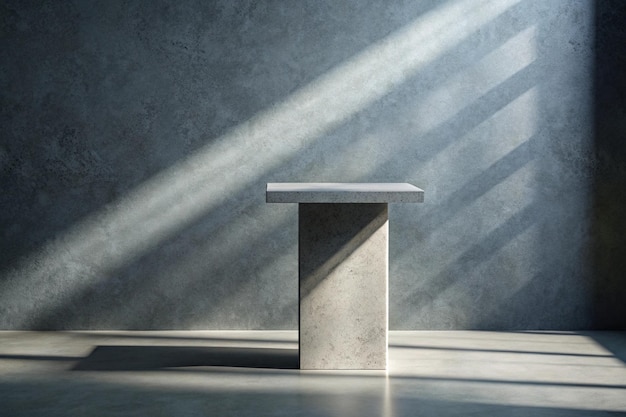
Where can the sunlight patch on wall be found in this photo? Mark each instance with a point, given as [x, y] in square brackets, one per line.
[478, 215]
[187, 274]
[469, 85]
[431, 110]
[485, 155]
[481, 148]
[470, 232]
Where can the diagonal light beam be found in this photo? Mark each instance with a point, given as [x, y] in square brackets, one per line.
[176, 197]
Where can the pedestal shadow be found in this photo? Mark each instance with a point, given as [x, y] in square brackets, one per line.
[135, 358]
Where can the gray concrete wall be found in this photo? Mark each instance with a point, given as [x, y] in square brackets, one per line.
[137, 138]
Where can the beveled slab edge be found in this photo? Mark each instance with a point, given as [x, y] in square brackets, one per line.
[343, 193]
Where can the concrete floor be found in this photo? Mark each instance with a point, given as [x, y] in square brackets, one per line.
[206, 373]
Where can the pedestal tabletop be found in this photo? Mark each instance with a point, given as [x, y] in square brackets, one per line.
[341, 192]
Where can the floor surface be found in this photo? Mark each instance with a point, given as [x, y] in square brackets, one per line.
[241, 373]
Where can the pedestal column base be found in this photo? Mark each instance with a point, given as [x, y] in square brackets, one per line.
[343, 276]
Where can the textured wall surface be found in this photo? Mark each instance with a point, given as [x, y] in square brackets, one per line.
[137, 138]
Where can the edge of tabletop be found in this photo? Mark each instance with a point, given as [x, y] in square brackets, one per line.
[343, 193]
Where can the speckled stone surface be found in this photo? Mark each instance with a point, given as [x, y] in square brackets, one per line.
[343, 252]
[332, 192]
[138, 138]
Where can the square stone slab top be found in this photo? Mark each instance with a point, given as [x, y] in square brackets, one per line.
[342, 192]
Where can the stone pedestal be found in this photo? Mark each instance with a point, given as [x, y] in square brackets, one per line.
[343, 252]
[343, 270]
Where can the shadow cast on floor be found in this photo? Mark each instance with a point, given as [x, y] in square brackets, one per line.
[135, 358]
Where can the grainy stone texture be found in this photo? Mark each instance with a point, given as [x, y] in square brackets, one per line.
[137, 138]
[343, 193]
[343, 264]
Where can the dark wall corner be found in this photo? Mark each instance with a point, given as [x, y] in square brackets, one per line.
[609, 200]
